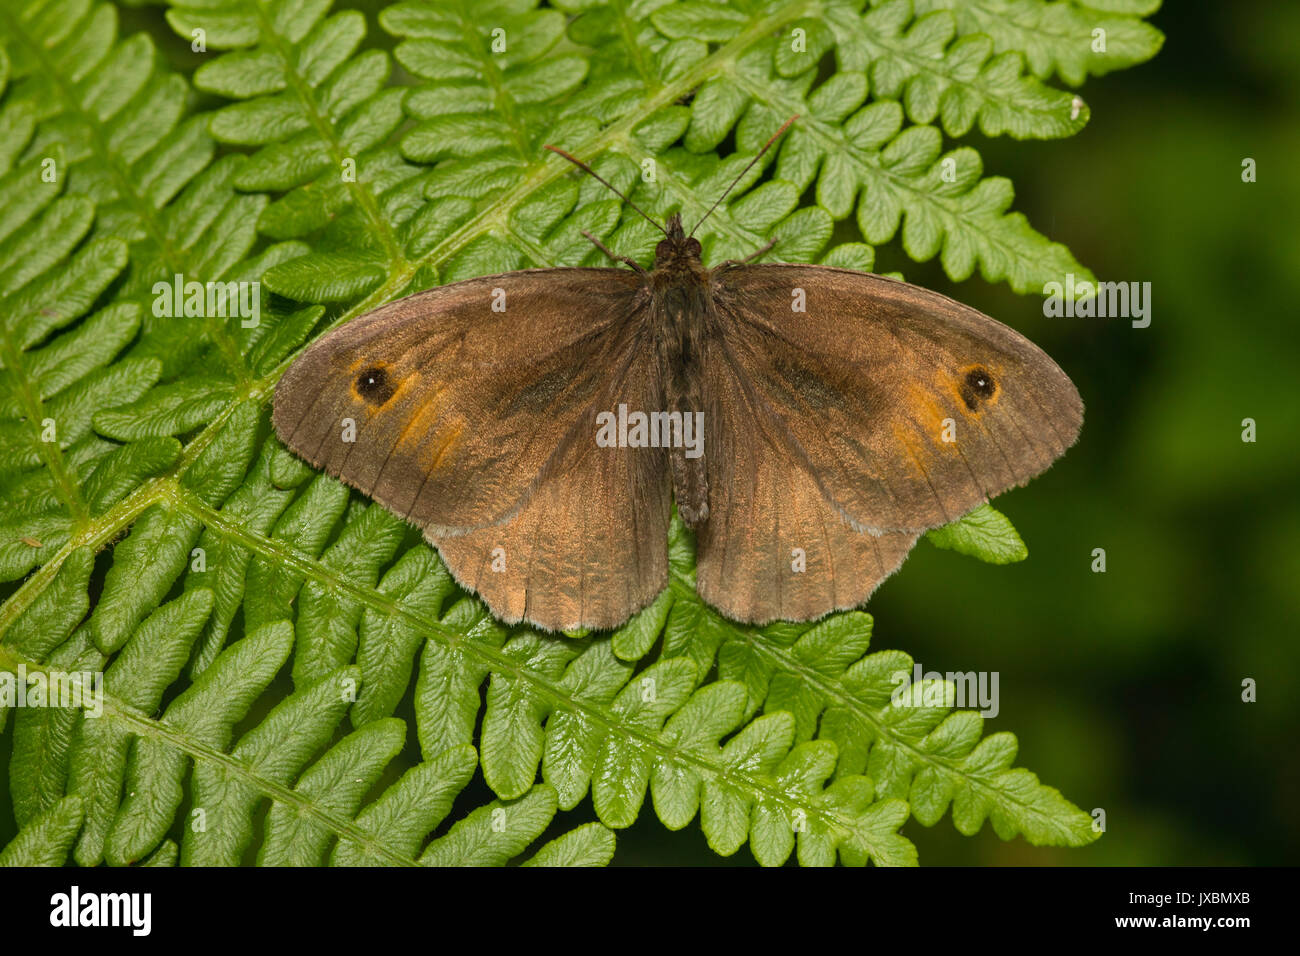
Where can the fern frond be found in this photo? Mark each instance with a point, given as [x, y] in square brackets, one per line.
[319, 114]
[45, 841]
[922, 63]
[1058, 36]
[339, 183]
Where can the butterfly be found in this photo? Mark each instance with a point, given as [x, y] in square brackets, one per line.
[809, 422]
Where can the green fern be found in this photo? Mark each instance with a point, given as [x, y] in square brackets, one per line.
[257, 627]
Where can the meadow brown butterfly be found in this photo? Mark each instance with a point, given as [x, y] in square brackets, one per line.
[810, 422]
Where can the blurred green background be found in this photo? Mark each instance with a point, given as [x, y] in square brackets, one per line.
[1125, 688]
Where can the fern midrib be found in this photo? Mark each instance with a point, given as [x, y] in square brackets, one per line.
[627, 29]
[788, 663]
[535, 254]
[94, 533]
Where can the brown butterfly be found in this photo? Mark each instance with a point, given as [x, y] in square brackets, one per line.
[811, 423]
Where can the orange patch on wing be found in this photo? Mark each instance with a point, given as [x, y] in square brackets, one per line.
[446, 441]
[421, 421]
[904, 433]
[924, 409]
[423, 424]
[409, 382]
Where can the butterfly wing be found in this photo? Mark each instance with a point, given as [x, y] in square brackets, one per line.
[909, 408]
[587, 549]
[832, 396]
[448, 406]
[480, 426]
[774, 546]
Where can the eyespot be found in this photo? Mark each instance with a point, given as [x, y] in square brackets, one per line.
[981, 382]
[373, 385]
[978, 386]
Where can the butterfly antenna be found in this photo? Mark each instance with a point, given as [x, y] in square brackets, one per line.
[766, 146]
[599, 178]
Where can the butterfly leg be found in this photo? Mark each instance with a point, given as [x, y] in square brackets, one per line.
[617, 258]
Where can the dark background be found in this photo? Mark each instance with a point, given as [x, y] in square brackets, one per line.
[1124, 688]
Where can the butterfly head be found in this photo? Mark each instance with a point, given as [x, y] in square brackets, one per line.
[677, 246]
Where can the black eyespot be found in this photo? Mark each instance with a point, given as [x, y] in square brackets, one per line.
[373, 385]
[977, 387]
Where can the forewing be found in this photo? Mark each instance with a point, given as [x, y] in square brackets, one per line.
[449, 407]
[905, 408]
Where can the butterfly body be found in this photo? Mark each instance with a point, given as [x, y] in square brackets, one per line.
[840, 415]
[682, 319]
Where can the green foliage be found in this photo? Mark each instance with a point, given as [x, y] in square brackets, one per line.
[257, 627]
[984, 533]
